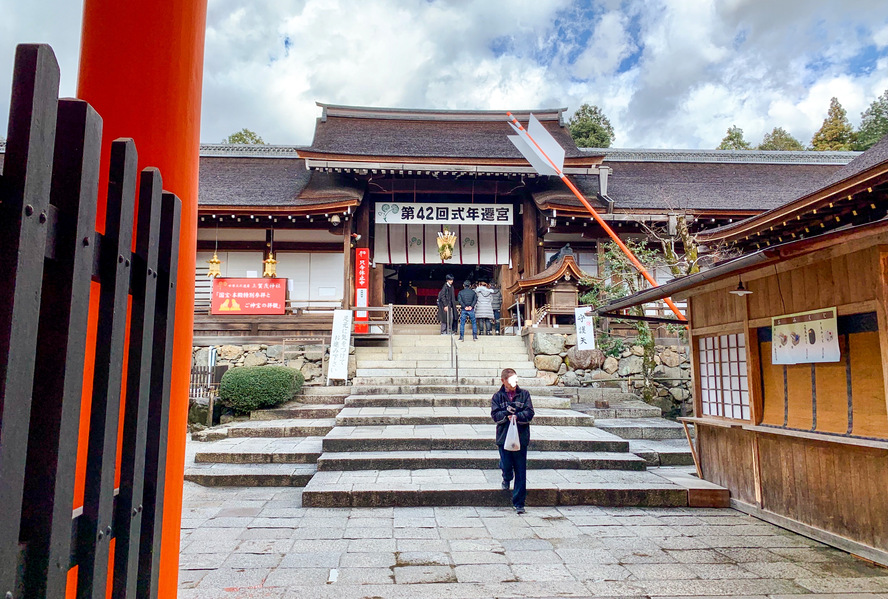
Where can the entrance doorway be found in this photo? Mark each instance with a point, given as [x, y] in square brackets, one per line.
[419, 284]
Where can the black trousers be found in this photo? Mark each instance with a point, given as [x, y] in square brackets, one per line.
[514, 465]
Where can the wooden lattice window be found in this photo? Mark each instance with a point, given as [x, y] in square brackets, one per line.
[724, 388]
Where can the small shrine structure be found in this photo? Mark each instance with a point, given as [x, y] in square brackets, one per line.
[551, 296]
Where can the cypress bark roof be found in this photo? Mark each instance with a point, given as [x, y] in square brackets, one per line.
[386, 132]
[692, 185]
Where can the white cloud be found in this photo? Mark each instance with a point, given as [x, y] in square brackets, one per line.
[667, 72]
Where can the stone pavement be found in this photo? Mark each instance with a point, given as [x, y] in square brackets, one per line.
[260, 543]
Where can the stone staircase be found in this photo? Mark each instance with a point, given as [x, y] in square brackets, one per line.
[407, 432]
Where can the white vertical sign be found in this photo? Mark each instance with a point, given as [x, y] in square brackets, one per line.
[337, 367]
[585, 329]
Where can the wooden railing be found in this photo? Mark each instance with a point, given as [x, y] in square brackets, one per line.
[377, 328]
[50, 254]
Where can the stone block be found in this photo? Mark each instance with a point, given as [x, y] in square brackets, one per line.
[297, 363]
[547, 362]
[255, 358]
[314, 353]
[636, 350]
[201, 356]
[570, 340]
[679, 394]
[585, 358]
[252, 347]
[550, 344]
[311, 370]
[230, 352]
[548, 378]
[570, 379]
[274, 352]
[631, 365]
[611, 365]
[670, 358]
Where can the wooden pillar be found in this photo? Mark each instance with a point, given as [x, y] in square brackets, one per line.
[529, 229]
[141, 68]
[348, 285]
[377, 294]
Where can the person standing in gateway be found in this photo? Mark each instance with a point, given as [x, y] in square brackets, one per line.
[511, 403]
[446, 306]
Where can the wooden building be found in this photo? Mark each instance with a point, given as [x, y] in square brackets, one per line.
[314, 206]
[800, 442]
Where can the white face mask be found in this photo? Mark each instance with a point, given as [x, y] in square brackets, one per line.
[513, 380]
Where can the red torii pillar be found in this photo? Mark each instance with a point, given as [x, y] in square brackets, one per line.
[141, 68]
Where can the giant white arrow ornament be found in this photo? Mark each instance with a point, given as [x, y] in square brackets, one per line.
[546, 156]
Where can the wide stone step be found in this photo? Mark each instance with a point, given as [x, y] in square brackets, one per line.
[487, 341]
[444, 362]
[464, 352]
[466, 436]
[642, 428]
[250, 475]
[472, 370]
[252, 450]
[477, 400]
[370, 386]
[315, 394]
[370, 416]
[481, 460]
[294, 427]
[297, 410]
[438, 487]
[666, 452]
[631, 408]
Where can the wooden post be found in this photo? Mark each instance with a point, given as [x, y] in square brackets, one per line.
[882, 311]
[529, 229]
[348, 290]
[141, 68]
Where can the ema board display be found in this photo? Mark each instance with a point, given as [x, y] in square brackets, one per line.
[805, 337]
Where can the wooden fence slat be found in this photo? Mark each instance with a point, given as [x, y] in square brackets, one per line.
[128, 517]
[159, 398]
[107, 379]
[64, 310]
[23, 215]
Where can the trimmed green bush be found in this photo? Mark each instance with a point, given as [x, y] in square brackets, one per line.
[249, 388]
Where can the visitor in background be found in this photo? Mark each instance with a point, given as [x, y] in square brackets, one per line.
[511, 403]
[446, 306]
[466, 300]
[484, 308]
[496, 302]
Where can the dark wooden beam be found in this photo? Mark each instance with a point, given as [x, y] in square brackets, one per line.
[279, 246]
[529, 243]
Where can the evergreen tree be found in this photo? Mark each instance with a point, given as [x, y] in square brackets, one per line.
[873, 123]
[734, 140]
[590, 128]
[780, 139]
[836, 134]
[244, 136]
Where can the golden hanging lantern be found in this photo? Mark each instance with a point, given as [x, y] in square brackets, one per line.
[446, 242]
[270, 267]
[214, 263]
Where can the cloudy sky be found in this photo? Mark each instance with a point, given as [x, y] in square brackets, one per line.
[668, 73]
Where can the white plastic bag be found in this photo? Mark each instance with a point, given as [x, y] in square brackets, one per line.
[512, 443]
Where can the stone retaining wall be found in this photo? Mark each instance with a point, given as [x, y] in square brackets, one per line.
[559, 362]
[310, 360]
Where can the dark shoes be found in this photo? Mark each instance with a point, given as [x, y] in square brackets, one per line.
[519, 510]
[505, 485]
[461, 339]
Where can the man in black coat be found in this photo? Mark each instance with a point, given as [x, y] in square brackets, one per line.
[446, 305]
[511, 403]
[466, 301]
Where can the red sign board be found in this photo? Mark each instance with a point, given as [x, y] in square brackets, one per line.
[362, 287]
[249, 296]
